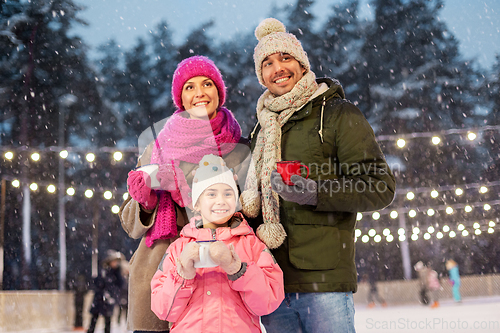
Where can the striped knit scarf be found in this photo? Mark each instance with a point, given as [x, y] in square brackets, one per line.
[273, 113]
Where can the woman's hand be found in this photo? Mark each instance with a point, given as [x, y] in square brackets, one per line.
[225, 257]
[139, 190]
[185, 263]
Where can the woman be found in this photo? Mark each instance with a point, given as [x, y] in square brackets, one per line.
[200, 126]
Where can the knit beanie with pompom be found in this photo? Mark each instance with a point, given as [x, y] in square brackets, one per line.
[273, 38]
[212, 170]
[196, 66]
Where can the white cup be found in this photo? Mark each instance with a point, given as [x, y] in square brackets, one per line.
[205, 259]
[151, 170]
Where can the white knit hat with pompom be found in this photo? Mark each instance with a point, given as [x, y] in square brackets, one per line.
[273, 38]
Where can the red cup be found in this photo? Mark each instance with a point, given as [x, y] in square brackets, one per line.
[289, 168]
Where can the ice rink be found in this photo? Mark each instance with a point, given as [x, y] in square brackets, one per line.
[479, 315]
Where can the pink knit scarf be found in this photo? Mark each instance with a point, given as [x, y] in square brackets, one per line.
[188, 140]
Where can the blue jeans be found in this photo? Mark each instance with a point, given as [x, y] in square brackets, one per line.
[312, 313]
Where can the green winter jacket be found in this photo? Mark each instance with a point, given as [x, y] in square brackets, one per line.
[332, 137]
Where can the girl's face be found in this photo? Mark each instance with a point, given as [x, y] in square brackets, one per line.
[217, 205]
[200, 98]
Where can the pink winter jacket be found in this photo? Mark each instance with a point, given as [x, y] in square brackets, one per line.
[211, 302]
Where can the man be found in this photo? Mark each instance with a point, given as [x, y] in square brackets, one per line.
[310, 225]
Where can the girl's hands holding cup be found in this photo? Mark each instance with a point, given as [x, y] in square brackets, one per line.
[185, 263]
[225, 257]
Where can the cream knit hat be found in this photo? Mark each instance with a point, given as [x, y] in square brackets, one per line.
[273, 38]
[212, 170]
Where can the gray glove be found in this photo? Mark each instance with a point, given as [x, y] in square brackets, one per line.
[304, 192]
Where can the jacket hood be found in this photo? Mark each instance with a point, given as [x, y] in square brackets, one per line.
[239, 227]
[334, 88]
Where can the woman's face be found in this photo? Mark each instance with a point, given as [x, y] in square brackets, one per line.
[200, 97]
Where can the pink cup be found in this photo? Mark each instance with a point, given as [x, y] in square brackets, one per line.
[289, 168]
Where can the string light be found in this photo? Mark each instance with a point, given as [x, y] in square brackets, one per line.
[9, 155]
[89, 193]
[16, 183]
[471, 136]
[90, 157]
[394, 214]
[436, 140]
[434, 194]
[51, 188]
[63, 154]
[33, 186]
[35, 157]
[452, 234]
[410, 195]
[115, 209]
[401, 143]
[70, 191]
[117, 155]
[376, 215]
[412, 213]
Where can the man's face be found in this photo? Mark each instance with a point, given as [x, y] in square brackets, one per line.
[280, 72]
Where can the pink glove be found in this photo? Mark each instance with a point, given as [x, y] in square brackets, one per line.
[139, 191]
[225, 257]
[172, 179]
[185, 263]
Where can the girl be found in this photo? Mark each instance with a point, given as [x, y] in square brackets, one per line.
[246, 283]
[200, 125]
[452, 267]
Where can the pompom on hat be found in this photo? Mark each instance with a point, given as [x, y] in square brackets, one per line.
[273, 38]
[196, 66]
[212, 170]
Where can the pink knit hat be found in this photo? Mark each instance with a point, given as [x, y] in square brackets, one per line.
[196, 66]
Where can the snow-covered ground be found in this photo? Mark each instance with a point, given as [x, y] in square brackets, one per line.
[477, 315]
